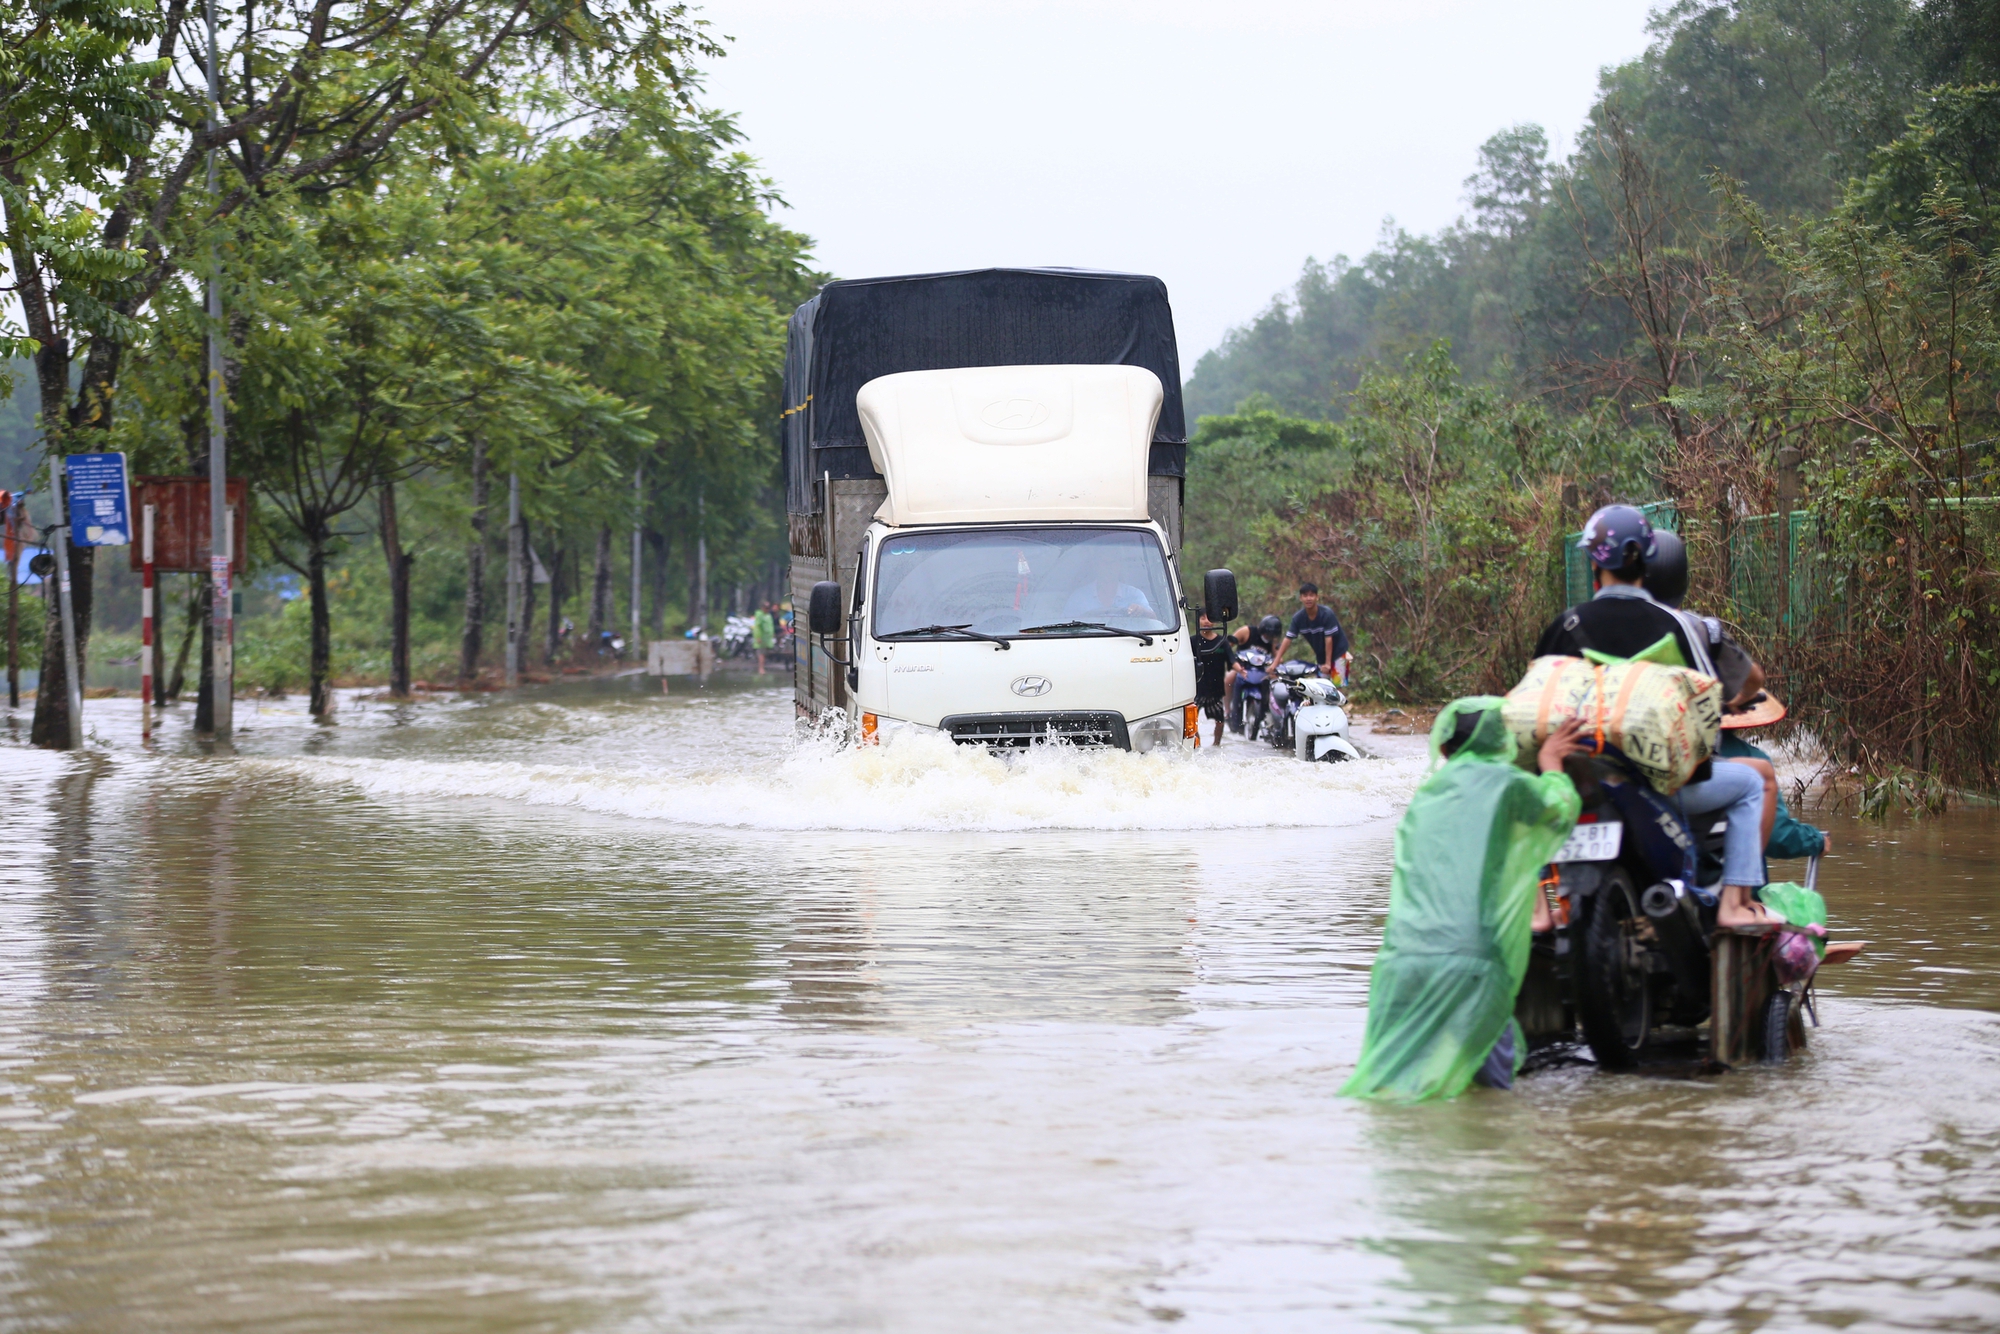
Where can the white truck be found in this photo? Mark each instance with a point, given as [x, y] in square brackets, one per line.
[1015, 576]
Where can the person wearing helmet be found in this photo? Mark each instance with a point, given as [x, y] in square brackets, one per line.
[1785, 835]
[1667, 582]
[1265, 634]
[1623, 620]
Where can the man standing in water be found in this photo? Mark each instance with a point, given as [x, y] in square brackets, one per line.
[763, 634]
[1214, 654]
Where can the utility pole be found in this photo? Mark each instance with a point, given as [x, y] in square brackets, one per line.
[638, 526]
[60, 546]
[515, 592]
[223, 641]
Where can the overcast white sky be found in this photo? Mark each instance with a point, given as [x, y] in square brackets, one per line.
[1216, 145]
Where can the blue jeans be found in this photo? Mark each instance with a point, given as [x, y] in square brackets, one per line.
[1738, 790]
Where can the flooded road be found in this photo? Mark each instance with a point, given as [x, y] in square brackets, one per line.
[594, 1010]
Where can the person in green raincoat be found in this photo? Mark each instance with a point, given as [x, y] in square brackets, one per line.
[763, 635]
[1469, 854]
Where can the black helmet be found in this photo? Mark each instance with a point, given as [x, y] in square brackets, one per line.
[1667, 571]
[1617, 538]
[1270, 627]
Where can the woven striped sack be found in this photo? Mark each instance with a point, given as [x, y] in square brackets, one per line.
[1665, 720]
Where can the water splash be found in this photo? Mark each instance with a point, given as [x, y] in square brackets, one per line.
[918, 783]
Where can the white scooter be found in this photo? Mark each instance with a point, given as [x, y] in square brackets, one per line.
[1320, 729]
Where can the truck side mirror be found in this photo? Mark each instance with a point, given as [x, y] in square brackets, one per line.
[1218, 595]
[823, 614]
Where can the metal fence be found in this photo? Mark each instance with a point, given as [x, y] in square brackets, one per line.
[1757, 590]
[1762, 602]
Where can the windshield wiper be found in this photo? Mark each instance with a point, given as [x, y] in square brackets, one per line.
[1090, 625]
[965, 630]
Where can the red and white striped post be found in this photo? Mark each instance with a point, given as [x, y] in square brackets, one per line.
[146, 626]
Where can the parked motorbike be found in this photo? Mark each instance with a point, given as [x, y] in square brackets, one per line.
[1287, 694]
[1630, 960]
[738, 636]
[1320, 724]
[1253, 688]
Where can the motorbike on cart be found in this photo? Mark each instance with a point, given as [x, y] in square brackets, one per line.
[1630, 962]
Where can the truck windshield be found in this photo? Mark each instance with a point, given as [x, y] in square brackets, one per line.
[1004, 581]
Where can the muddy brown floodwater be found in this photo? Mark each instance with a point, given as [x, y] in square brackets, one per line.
[589, 1010]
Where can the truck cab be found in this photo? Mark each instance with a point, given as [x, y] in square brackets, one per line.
[1012, 586]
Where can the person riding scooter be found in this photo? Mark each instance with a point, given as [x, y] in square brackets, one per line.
[1622, 620]
[1785, 836]
[1315, 623]
[1265, 635]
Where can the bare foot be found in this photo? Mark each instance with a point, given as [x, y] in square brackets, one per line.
[1739, 908]
[1540, 920]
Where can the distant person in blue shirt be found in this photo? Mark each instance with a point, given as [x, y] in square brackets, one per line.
[1105, 596]
[1319, 627]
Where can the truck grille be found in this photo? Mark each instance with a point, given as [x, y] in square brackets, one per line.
[1011, 731]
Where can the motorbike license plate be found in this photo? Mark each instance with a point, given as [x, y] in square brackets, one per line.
[1592, 843]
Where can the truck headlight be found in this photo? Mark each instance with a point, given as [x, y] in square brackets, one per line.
[883, 727]
[1162, 731]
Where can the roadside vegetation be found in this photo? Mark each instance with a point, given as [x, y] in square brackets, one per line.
[1765, 279]
[458, 246]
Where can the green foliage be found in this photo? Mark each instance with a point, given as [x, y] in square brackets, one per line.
[75, 107]
[576, 302]
[1427, 515]
[1787, 97]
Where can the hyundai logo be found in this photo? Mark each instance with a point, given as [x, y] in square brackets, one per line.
[1014, 414]
[1032, 685]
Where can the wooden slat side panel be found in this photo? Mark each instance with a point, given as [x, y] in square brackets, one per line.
[809, 683]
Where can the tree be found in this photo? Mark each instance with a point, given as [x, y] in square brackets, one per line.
[316, 96]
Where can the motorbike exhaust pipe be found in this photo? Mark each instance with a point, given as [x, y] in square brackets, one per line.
[1659, 901]
[1667, 906]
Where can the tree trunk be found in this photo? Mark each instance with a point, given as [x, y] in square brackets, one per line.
[558, 589]
[317, 533]
[701, 584]
[694, 586]
[527, 593]
[400, 562]
[475, 572]
[600, 592]
[51, 725]
[656, 581]
[196, 606]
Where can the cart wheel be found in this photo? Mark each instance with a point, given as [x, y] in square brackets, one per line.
[1777, 1027]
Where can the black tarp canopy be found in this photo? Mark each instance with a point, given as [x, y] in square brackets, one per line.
[858, 329]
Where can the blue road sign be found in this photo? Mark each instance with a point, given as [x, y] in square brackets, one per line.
[100, 501]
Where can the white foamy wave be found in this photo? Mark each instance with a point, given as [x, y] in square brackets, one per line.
[920, 783]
